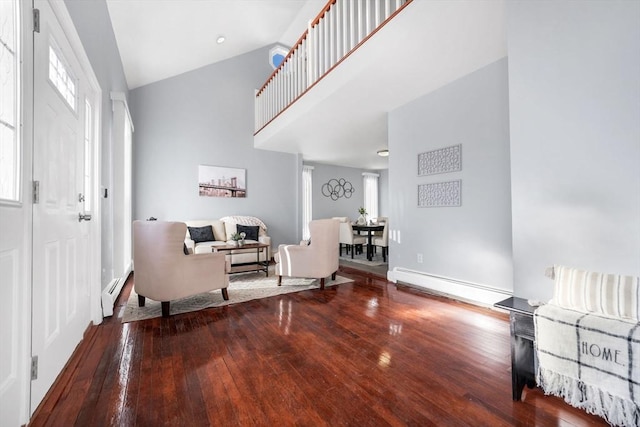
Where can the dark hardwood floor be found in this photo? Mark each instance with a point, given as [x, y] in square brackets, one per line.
[366, 353]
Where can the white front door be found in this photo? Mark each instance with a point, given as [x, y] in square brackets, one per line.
[61, 294]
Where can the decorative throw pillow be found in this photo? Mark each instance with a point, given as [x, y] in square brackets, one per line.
[201, 234]
[609, 295]
[250, 231]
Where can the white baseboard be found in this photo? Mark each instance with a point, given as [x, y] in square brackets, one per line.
[459, 289]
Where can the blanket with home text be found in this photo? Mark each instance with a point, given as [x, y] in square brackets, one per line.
[593, 362]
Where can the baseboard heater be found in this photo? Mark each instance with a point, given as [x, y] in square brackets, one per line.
[110, 295]
[467, 291]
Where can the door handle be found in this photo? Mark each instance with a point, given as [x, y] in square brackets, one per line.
[84, 217]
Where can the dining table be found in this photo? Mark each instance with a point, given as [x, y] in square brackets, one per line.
[370, 229]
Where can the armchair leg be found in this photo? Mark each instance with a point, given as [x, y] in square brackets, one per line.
[141, 301]
[353, 249]
[333, 275]
[384, 254]
[322, 283]
[225, 294]
[165, 308]
[279, 280]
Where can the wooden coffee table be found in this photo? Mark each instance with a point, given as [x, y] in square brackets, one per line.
[249, 266]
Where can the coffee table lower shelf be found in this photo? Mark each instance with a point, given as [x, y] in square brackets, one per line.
[248, 266]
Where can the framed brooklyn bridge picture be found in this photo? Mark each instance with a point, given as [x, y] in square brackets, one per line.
[216, 181]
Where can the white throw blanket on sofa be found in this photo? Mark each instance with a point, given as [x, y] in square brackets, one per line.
[593, 362]
[244, 220]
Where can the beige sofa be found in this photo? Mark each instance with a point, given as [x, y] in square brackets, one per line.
[223, 229]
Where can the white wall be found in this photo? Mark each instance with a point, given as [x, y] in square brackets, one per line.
[470, 243]
[383, 195]
[574, 89]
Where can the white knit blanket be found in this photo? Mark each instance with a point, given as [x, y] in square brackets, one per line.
[244, 220]
[593, 362]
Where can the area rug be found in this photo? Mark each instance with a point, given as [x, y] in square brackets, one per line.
[242, 287]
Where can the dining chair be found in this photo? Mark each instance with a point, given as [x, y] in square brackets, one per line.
[380, 220]
[353, 242]
[383, 241]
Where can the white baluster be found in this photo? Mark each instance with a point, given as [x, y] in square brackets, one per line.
[320, 48]
[338, 30]
[325, 46]
[316, 53]
[361, 20]
[345, 28]
[310, 63]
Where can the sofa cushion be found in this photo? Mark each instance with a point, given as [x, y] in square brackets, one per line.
[217, 225]
[608, 295]
[250, 231]
[201, 234]
[207, 247]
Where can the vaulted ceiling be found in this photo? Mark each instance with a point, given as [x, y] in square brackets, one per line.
[163, 38]
[343, 119]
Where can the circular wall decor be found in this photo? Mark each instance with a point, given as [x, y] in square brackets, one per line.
[337, 188]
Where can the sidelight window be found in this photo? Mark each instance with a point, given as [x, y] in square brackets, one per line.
[10, 138]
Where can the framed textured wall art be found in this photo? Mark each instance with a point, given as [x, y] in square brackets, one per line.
[440, 194]
[216, 181]
[442, 160]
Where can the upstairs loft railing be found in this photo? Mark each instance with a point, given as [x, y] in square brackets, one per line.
[339, 29]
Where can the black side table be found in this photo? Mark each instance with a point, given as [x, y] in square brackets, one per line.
[523, 355]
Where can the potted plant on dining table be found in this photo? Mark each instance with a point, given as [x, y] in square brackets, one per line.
[362, 219]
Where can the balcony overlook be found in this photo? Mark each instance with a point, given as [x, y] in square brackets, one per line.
[342, 118]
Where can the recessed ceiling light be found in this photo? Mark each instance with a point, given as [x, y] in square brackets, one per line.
[220, 39]
[383, 153]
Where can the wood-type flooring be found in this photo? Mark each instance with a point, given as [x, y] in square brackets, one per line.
[367, 353]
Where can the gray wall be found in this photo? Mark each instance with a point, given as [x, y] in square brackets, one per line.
[469, 243]
[574, 83]
[206, 117]
[93, 23]
[325, 207]
[383, 193]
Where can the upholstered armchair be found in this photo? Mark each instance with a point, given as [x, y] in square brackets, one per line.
[317, 260]
[348, 237]
[383, 241]
[164, 271]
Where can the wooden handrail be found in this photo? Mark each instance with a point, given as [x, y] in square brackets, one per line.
[297, 43]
